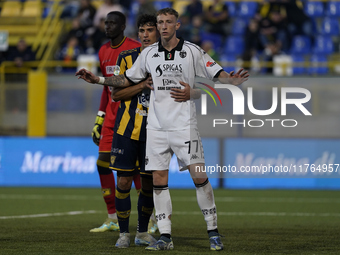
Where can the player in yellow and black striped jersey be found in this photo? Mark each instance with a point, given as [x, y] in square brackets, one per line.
[128, 144]
[131, 116]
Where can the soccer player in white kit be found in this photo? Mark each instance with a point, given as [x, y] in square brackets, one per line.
[172, 126]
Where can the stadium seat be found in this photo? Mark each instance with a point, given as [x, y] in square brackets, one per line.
[32, 9]
[234, 45]
[231, 9]
[314, 9]
[323, 45]
[300, 45]
[215, 38]
[330, 26]
[318, 64]
[239, 26]
[333, 9]
[11, 9]
[247, 9]
[299, 61]
[162, 4]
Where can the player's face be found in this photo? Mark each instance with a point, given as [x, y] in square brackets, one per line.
[113, 26]
[167, 26]
[147, 35]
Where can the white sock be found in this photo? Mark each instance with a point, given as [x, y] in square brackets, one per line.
[163, 206]
[206, 202]
[113, 216]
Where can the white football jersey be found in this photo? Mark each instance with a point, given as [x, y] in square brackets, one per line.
[168, 68]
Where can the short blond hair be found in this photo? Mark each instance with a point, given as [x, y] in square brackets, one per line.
[166, 11]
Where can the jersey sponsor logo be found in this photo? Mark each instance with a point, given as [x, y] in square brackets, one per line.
[210, 64]
[113, 70]
[156, 55]
[141, 112]
[168, 87]
[168, 82]
[106, 60]
[117, 151]
[168, 68]
[183, 54]
[144, 99]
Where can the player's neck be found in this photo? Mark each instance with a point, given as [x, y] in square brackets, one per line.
[170, 44]
[116, 41]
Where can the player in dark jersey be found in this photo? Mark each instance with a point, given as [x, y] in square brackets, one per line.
[103, 130]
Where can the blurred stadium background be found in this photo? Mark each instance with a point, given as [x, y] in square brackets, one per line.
[46, 118]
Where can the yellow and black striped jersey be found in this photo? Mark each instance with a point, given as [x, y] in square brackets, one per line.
[132, 114]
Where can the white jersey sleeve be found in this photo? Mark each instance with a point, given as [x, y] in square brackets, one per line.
[205, 66]
[138, 71]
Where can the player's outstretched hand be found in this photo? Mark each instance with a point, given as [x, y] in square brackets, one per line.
[86, 75]
[181, 95]
[238, 78]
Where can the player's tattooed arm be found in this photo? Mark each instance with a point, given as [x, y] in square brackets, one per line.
[118, 94]
[114, 81]
[118, 81]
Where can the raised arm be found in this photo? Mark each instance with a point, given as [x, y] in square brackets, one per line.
[118, 81]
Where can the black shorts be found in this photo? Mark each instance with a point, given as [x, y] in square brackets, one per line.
[128, 156]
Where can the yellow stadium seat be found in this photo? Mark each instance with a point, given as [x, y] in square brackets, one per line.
[11, 9]
[179, 6]
[32, 9]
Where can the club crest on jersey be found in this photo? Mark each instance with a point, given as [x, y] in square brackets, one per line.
[113, 159]
[183, 54]
[115, 70]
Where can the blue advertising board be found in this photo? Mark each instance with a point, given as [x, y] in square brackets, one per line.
[267, 163]
[282, 163]
[70, 162]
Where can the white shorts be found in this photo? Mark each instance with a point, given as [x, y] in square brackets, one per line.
[161, 145]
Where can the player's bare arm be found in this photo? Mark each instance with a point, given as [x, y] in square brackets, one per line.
[234, 78]
[114, 81]
[119, 94]
[182, 95]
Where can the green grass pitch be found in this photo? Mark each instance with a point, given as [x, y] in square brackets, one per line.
[57, 221]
